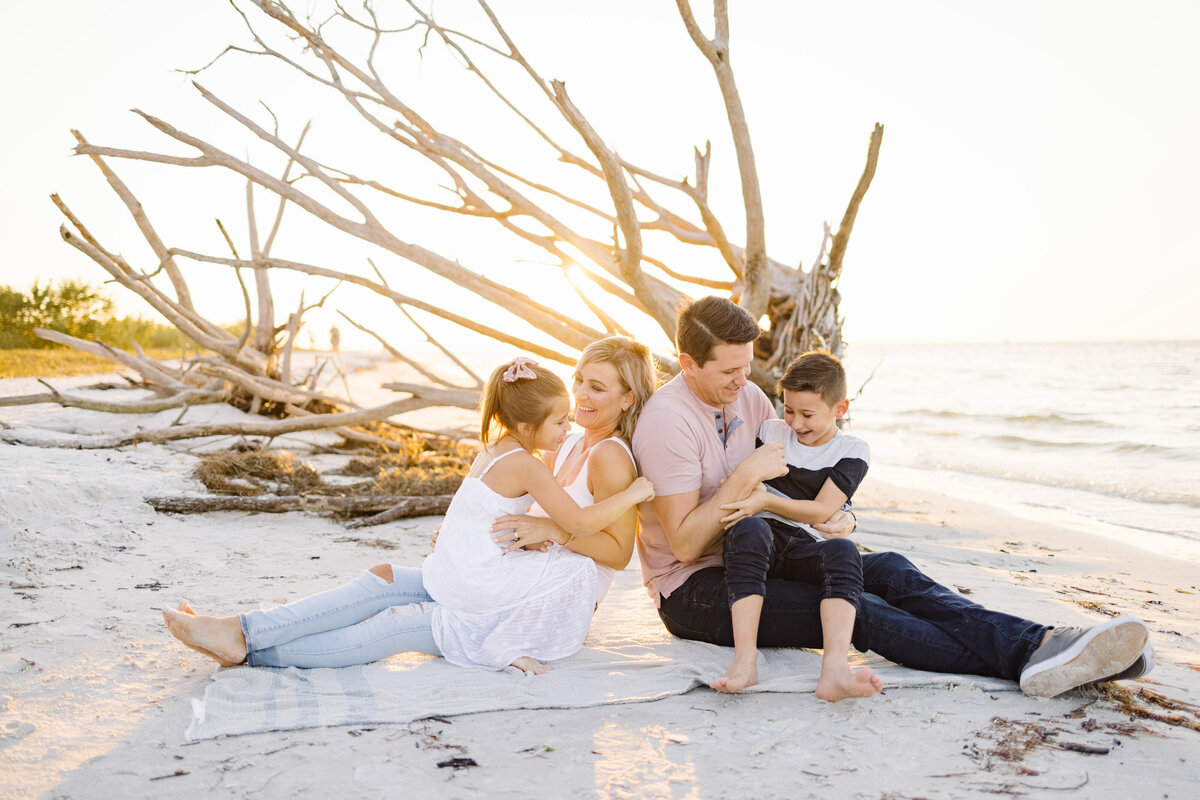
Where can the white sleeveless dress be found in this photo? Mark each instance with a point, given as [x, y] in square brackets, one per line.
[578, 489]
[494, 607]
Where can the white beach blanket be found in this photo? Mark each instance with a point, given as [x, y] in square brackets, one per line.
[628, 658]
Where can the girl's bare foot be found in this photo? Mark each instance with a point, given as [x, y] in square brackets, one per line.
[219, 638]
[834, 685]
[741, 673]
[531, 666]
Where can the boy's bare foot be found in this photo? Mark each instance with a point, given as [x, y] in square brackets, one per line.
[531, 666]
[842, 683]
[219, 638]
[741, 673]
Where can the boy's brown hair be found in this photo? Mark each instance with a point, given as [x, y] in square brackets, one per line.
[711, 321]
[819, 372]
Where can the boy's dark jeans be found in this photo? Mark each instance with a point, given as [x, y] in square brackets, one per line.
[903, 615]
[757, 548]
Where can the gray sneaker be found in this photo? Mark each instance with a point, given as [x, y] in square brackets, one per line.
[1140, 666]
[1071, 657]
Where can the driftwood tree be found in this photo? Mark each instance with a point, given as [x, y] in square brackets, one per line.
[615, 228]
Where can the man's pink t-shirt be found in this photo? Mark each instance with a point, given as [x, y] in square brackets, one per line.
[678, 448]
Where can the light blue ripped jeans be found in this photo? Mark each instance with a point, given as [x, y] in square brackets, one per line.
[363, 621]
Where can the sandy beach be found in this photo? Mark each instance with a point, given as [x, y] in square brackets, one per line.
[95, 696]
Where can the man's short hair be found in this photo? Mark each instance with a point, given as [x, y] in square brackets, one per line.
[819, 372]
[710, 321]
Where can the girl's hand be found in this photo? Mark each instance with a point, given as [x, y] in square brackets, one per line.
[433, 538]
[749, 506]
[519, 530]
[642, 490]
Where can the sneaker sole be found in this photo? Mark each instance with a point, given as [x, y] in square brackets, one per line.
[1105, 650]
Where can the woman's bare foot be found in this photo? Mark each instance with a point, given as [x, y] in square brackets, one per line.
[186, 608]
[531, 666]
[742, 672]
[219, 638]
[838, 684]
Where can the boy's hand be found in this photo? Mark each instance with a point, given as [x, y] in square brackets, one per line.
[839, 526]
[756, 501]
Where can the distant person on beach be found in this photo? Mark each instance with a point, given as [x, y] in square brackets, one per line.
[768, 534]
[480, 600]
[695, 441]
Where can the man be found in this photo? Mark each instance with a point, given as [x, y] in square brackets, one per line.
[695, 441]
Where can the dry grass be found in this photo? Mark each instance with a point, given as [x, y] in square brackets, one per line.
[54, 362]
[254, 473]
[258, 472]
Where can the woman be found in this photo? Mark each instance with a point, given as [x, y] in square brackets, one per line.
[387, 610]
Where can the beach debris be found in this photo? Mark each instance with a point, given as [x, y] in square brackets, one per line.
[34, 622]
[538, 751]
[1142, 702]
[1089, 749]
[458, 762]
[176, 774]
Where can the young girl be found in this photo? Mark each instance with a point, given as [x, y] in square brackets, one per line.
[496, 608]
[490, 608]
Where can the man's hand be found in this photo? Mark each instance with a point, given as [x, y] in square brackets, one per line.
[765, 462]
[756, 501]
[839, 526]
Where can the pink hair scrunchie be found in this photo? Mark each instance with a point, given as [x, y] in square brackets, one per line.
[519, 368]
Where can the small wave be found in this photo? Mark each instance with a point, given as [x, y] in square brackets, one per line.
[1119, 448]
[1021, 419]
[1138, 494]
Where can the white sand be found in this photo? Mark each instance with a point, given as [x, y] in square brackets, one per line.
[96, 695]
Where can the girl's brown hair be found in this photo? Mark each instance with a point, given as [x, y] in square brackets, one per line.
[526, 400]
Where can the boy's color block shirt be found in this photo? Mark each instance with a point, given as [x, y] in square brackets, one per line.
[843, 459]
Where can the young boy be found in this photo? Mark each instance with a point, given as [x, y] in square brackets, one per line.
[825, 467]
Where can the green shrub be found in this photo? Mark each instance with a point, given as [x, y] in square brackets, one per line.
[76, 309]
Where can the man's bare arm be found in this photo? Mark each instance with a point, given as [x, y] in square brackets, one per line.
[691, 527]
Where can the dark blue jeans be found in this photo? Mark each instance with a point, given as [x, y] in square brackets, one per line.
[757, 548]
[903, 615]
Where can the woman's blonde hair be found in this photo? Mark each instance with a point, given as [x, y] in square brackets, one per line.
[634, 367]
[511, 397]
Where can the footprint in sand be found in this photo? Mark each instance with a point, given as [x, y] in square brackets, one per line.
[14, 732]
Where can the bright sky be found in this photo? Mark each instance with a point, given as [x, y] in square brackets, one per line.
[1039, 177]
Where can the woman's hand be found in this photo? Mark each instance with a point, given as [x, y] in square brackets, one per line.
[753, 503]
[520, 530]
[839, 526]
[433, 538]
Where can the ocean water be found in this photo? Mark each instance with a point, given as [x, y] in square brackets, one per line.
[1104, 434]
[1099, 432]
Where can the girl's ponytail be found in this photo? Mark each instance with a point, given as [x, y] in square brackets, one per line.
[517, 392]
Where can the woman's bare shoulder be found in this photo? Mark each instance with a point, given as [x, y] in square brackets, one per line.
[612, 456]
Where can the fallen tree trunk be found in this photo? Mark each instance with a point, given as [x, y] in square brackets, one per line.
[395, 505]
[192, 397]
[269, 428]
